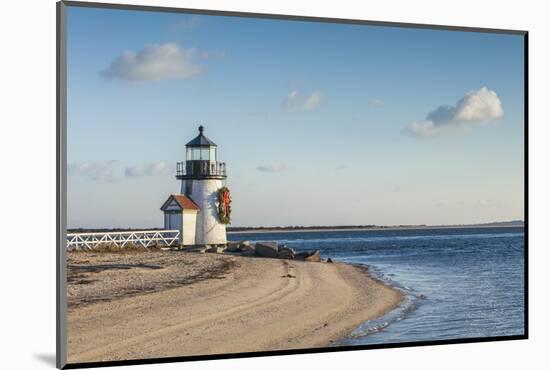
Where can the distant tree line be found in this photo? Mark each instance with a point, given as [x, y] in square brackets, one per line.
[290, 228]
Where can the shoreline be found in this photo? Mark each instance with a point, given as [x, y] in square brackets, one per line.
[223, 304]
[263, 231]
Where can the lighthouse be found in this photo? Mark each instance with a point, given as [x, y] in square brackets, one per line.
[200, 211]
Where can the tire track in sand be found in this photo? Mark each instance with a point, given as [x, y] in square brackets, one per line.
[286, 288]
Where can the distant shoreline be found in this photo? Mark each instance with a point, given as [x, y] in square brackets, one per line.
[330, 229]
[290, 229]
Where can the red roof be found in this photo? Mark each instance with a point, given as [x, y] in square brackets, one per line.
[183, 201]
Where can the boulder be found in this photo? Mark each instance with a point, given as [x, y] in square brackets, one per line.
[301, 255]
[286, 253]
[233, 247]
[195, 248]
[247, 250]
[266, 249]
[215, 249]
[310, 256]
[329, 260]
[315, 256]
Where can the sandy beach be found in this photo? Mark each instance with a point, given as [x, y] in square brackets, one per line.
[136, 305]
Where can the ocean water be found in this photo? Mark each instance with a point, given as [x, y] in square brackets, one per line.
[459, 283]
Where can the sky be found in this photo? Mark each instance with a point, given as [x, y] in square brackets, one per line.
[319, 123]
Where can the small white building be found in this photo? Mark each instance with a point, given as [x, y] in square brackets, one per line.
[180, 213]
[195, 210]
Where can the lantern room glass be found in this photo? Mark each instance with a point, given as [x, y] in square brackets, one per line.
[201, 154]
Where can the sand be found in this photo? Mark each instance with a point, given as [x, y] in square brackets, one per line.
[125, 306]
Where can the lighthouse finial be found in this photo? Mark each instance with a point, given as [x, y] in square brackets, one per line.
[201, 129]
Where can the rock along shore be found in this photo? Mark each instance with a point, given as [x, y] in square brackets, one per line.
[259, 249]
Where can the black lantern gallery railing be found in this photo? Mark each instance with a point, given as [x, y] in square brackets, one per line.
[200, 169]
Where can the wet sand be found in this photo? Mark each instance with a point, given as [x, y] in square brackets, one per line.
[137, 305]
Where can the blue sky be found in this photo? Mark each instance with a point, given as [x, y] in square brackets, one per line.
[320, 124]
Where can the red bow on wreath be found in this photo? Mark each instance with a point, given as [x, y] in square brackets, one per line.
[224, 205]
[226, 198]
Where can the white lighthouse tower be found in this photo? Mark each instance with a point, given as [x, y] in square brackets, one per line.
[195, 210]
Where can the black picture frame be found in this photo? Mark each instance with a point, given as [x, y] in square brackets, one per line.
[61, 173]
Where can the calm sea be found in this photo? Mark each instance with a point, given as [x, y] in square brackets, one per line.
[459, 283]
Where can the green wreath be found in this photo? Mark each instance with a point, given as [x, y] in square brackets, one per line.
[224, 205]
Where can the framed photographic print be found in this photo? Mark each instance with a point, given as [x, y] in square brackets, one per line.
[236, 185]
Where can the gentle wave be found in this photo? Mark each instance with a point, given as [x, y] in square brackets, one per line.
[401, 312]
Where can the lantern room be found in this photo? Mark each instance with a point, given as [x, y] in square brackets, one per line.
[201, 160]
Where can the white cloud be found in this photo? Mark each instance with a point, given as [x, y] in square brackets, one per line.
[482, 105]
[154, 62]
[423, 129]
[95, 171]
[273, 167]
[475, 108]
[151, 169]
[312, 101]
[377, 102]
[296, 102]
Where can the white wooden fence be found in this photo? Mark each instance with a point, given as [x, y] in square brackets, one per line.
[143, 238]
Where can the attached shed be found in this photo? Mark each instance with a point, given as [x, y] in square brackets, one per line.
[180, 213]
